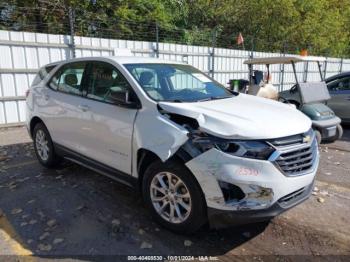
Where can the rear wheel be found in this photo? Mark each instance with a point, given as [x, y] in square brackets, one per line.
[43, 146]
[174, 197]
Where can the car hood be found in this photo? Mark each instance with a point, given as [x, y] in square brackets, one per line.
[243, 117]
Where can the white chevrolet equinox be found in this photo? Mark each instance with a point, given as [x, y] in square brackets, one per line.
[197, 151]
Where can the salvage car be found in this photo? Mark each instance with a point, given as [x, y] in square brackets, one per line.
[197, 151]
[339, 89]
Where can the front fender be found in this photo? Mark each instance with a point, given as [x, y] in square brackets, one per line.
[158, 134]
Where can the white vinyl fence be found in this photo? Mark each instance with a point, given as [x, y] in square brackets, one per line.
[23, 53]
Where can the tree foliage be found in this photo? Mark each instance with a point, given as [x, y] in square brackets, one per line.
[321, 26]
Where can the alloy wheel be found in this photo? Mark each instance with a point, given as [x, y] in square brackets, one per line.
[170, 197]
[41, 144]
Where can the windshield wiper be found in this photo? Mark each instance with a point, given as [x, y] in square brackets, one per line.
[173, 100]
[213, 98]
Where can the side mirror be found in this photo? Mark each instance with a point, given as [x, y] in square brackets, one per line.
[122, 98]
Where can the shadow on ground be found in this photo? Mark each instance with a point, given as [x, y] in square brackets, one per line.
[346, 135]
[73, 211]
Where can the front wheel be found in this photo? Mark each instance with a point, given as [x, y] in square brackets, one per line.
[174, 197]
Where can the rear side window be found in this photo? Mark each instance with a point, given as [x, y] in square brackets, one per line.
[43, 72]
[69, 79]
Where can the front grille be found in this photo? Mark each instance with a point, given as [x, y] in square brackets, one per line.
[298, 158]
[287, 141]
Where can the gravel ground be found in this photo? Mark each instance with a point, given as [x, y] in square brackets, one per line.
[73, 212]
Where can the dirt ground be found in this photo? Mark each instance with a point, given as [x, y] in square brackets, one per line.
[75, 213]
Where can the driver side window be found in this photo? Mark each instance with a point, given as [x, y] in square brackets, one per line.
[104, 79]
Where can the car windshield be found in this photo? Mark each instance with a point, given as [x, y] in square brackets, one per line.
[177, 83]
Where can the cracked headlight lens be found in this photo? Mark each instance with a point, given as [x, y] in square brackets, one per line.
[241, 148]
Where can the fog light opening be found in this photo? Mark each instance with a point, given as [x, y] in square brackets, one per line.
[232, 193]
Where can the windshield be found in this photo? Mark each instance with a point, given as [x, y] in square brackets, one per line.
[176, 83]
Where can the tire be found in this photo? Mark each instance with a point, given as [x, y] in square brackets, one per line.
[193, 217]
[318, 137]
[340, 131]
[43, 143]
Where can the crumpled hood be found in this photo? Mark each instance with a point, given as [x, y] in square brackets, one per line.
[243, 117]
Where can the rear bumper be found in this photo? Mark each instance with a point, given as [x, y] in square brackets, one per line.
[222, 218]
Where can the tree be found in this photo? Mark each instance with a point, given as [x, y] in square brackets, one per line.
[321, 26]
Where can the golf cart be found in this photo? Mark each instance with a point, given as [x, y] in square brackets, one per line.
[308, 97]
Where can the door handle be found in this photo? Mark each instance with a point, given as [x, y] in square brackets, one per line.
[46, 97]
[348, 98]
[83, 108]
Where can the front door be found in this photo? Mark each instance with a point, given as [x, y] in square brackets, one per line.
[108, 128]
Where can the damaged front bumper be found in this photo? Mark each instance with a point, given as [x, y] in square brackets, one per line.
[221, 218]
[266, 190]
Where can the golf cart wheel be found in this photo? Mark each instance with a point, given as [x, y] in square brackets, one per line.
[338, 134]
[339, 131]
[173, 196]
[318, 137]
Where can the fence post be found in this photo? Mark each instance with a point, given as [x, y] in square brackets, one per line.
[251, 55]
[252, 49]
[212, 53]
[71, 15]
[341, 65]
[325, 68]
[281, 75]
[157, 40]
[306, 71]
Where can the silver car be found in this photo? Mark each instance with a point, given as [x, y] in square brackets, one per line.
[339, 89]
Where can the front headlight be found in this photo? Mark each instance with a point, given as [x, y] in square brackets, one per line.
[241, 148]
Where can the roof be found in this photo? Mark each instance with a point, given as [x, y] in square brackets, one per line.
[120, 60]
[141, 60]
[283, 60]
[337, 76]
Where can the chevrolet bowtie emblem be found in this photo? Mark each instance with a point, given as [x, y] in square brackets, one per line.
[306, 139]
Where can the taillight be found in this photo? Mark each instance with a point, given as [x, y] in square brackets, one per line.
[27, 92]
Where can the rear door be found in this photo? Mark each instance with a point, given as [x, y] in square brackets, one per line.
[108, 128]
[63, 115]
[339, 89]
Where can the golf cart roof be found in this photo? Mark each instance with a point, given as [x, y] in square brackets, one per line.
[283, 60]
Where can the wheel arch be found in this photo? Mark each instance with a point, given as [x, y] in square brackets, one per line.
[33, 122]
[146, 157]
